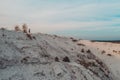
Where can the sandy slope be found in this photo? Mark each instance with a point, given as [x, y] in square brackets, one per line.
[48, 57]
[111, 56]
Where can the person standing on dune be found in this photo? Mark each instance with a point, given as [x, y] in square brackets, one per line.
[29, 31]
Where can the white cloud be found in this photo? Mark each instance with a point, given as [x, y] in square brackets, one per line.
[57, 17]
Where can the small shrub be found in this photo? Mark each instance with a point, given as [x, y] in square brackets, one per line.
[73, 39]
[3, 33]
[56, 59]
[3, 28]
[66, 59]
[80, 44]
[72, 49]
[100, 62]
[86, 64]
[82, 50]
[103, 52]
[25, 59]
[109, 54]
[119, 52]
[55, 36]
[29, 36]
[88, 51]
[34, 37]
[78, 55]
[45, 55]
[114, 51]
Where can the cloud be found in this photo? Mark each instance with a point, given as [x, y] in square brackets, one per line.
[61, 15]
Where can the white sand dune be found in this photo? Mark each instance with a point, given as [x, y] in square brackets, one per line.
[50, 57]
[107, 52]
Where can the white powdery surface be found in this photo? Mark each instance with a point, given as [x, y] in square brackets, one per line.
[48, 57]
[108, 52]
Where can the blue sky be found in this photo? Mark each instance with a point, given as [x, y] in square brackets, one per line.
[87, 19]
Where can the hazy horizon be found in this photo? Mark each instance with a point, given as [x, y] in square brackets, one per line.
[88, 19]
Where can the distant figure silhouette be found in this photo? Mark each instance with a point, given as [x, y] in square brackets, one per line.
[29, 31]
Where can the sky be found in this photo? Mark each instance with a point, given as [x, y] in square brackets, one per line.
[86, 19]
